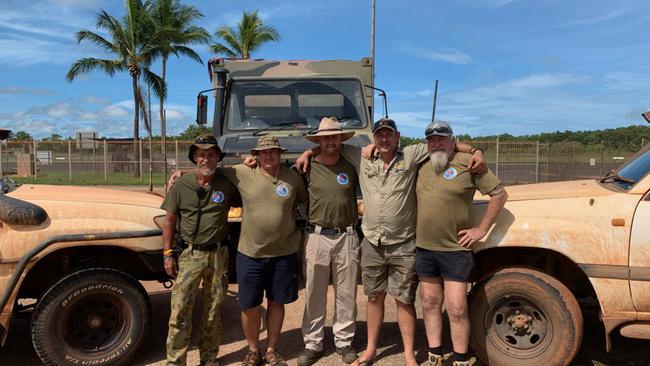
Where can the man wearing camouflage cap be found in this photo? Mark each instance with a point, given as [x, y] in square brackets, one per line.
[201, 201]
[443, 255]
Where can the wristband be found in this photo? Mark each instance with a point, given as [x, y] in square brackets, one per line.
[168, 257]
[168, 251]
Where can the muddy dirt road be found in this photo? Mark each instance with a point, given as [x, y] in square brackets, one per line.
[18, 349]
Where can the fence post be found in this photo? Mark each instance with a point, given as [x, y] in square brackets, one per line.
[105, 161]
[175, 154]
[548, 161]
[70, 160]
[1, 159]
[140, 148]
[35, 158]
[496, 159]
[537, 162]
[602, 157]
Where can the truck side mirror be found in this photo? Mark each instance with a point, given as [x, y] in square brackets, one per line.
[202, 109]
[646, 116]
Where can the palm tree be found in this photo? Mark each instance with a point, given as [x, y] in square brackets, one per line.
[132, 51]
[250, 35]
[173, 30]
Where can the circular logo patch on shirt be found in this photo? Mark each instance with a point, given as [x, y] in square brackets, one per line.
[450, 173]
[282, 190]
[218, 197]
[342, 179]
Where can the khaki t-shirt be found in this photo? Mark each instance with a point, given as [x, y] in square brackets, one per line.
[268, 222]
[332, 194]
[445, 200]
[184, 201]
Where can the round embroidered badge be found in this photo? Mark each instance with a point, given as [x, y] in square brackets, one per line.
[282, 190]
[450, 173]
[218, 197]
[342, 179]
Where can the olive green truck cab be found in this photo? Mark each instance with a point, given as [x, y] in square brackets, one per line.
[287, 99]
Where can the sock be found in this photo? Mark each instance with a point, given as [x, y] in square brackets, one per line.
[461, 357]
[436, 350]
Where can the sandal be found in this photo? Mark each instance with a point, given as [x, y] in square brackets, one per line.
[274, 359]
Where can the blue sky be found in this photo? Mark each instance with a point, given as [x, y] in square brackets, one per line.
[505, 66]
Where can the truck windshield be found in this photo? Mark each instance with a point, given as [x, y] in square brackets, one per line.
[634, 171]
[294, 104]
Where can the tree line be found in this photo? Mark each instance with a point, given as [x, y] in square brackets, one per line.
[629, 138]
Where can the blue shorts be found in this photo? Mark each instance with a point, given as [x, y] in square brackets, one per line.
[450, 265]
[277, 276]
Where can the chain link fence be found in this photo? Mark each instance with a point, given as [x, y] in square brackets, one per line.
[118, 162]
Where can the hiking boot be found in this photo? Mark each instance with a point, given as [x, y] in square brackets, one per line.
[309, 357]
[469, 362]
[435, 360]
[274, 359]
[348, 354]
[252, 358]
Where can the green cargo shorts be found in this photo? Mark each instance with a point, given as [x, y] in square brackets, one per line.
[390, 269]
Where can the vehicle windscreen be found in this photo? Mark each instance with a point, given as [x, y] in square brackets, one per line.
[634, 171]
[294, 104]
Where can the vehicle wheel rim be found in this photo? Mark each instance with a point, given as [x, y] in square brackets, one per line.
[518, 325]
[94, 323]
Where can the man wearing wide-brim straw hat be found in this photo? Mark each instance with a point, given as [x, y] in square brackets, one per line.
[387, 182]
[267, 260]
[331, 245]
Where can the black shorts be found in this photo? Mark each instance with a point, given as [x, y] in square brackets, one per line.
[278, 276]
[453, 265]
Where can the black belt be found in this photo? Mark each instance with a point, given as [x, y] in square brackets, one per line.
[310, 228]
[207, 247]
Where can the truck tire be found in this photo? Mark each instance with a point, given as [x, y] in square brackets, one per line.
[520, 316]
[96, 316]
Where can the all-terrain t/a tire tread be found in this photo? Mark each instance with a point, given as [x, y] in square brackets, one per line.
[561, 305]
[135, 295]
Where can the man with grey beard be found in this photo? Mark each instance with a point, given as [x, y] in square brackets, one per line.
[443, 259]
[200, 200]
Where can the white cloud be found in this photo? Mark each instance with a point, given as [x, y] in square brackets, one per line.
[450, 55]
[91, 99]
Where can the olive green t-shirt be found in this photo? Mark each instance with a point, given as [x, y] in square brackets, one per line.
[268, 226]
[332, 194]
[218, 197]
[444, 202]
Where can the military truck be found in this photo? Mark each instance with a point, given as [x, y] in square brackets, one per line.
[286, 99]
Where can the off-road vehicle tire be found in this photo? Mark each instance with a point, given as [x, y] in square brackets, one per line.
[96, 316]
[521, 316]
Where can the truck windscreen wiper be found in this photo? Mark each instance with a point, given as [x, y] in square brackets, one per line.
[613, 176]
[280, 126]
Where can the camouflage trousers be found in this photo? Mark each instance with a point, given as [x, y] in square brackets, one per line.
[195, 266]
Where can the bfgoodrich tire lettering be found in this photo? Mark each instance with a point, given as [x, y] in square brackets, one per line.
[96, 316]
[521, 316]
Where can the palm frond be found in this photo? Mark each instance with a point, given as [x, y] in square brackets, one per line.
[88, 64]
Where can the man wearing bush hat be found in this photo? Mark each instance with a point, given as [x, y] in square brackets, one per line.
[201, 201]
[331, 245]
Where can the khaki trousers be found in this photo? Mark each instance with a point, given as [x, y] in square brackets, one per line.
[337, 255]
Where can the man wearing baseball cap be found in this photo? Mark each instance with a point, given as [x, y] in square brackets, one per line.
[444, 257]
[387, 182]
[331, 245]
[201, 201]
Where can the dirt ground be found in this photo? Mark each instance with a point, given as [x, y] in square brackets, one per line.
[18, 349]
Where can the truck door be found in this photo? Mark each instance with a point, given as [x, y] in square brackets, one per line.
[640, 256]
